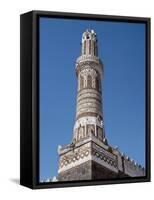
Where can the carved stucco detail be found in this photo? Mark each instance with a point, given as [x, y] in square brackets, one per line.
[87, 78]
[88, 71]
[78, 155]
[88, 120]
[89, 62]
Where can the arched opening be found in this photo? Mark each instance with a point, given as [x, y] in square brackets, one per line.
[89, 81]
[97, 84]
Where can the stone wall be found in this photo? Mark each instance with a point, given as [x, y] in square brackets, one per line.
[80, 172]
[100, 172]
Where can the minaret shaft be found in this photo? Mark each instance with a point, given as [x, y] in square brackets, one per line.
[89, 69]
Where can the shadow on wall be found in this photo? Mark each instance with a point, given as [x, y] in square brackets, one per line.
[15, 180]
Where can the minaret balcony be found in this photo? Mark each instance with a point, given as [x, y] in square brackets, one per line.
[84, 58]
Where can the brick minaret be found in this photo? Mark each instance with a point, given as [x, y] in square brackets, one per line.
[89, 70]
[89, 156]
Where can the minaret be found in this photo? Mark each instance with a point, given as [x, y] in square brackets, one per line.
[89, 70]
[89, 156]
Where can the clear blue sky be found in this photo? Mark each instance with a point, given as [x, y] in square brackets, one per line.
[122, 50]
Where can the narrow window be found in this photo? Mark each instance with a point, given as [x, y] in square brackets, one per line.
[89, 81]
[89, 46]
[81, 82]
[97, 84]
[95, 49]
[84, 47]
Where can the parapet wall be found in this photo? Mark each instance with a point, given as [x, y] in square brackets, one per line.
[128, 166]
[132, 168]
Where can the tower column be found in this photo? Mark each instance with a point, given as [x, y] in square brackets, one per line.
[89, 70]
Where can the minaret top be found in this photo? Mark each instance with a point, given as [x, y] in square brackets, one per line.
[89, 52]
[89, 43]
[89, 34]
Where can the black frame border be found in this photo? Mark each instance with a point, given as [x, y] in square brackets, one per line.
[29, 98]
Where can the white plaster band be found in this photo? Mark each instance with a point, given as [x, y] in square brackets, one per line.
[89, 105]
[87, 110]
[89, 96]
[93, 91]
[88, 120]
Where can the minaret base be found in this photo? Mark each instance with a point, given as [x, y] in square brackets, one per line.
[91, 159]
[89, 170]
